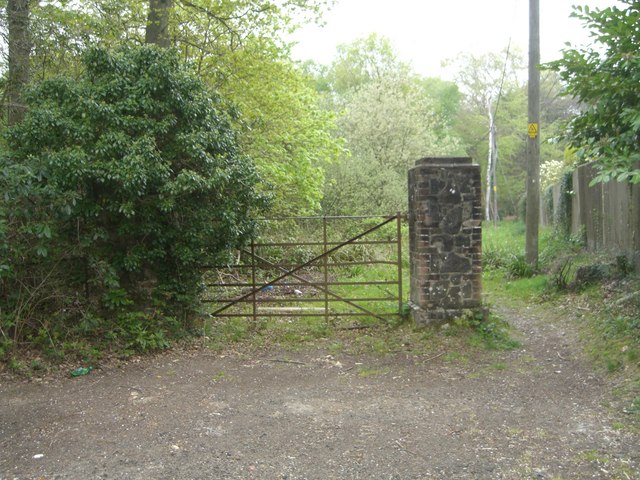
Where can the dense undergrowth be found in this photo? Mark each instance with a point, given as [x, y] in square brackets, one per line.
[134, 334]
[116, 187]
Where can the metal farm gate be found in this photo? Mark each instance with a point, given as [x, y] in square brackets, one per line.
[331, 267]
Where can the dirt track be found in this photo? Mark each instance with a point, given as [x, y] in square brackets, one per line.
[532, 413]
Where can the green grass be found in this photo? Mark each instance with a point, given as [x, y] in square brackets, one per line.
[499, 286]
[487, 331]
[472, 333]
[614, 466]
[503, 248]
[505, 238]
[611, 333]
[456, 357]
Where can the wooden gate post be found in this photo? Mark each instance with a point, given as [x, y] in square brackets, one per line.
[445, 238]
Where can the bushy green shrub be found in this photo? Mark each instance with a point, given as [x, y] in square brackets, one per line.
[518, 267]
[117, 186]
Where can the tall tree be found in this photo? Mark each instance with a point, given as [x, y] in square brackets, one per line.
[282, 125]
[388, 124]
[491, 86]
[158, 23]
[604, 78]
[62, 30]
[236, 47]
[363, 61]
[447, 100]
[133, 177]
[19, 50]
[389, 118]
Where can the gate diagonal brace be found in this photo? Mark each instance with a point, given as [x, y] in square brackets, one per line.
[315, 285]
[304, 265]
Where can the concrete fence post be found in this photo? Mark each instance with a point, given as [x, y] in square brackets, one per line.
[445, 238]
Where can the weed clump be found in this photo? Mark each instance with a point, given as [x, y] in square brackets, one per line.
[518, 267]
[487, 330]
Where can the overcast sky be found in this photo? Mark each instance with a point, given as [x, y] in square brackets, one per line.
[426, 32]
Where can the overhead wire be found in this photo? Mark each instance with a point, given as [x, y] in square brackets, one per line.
[504, 74]
[507, 55]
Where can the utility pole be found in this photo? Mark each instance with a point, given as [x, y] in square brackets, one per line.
[533, 137]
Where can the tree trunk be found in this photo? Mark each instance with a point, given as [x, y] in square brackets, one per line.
[19, 50]
[490, 195]
[494, 179]
[158, 23]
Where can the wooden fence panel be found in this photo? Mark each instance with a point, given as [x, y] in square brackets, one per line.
[592, 207]
[634, 225]
[616, 199]
[607, 214]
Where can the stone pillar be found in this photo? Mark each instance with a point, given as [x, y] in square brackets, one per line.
[445, 238]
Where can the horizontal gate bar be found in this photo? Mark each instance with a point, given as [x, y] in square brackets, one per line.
[321, 244]
[321, 287]
[301, 300]
[290, 265]
[308, 284]
[300, 314]
[338, 217]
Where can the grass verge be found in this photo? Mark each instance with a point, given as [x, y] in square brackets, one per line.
[598, 291]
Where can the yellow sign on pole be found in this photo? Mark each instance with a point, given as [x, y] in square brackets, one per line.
[533, 130]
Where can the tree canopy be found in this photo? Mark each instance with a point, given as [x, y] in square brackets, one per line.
[492, 85]
[135, 165]
[237, 48]
[604, 78]
[389, 117]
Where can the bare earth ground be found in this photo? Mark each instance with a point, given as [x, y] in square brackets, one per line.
[533, 413]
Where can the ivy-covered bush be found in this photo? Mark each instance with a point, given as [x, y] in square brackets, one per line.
[563, 218]
[118, 186]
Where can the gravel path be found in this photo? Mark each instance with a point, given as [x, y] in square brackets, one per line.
[532, 413]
